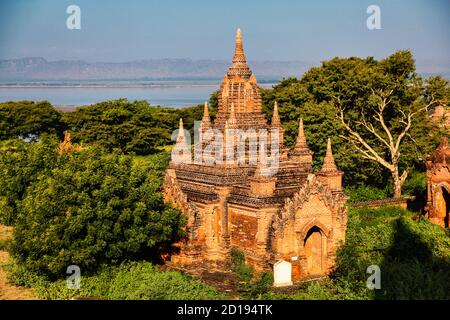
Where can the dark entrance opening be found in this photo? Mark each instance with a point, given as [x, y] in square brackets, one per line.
[446, 196]
[314, 251]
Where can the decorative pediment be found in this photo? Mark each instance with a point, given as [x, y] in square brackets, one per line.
[311, 187]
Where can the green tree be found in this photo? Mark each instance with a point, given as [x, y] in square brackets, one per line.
[120, 124]
[375, 111]
[214, 103]
[93, 208]
[28, 120]
[21, 165]
[295, 101]
[395, 100]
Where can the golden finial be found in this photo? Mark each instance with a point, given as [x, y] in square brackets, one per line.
[239, 50]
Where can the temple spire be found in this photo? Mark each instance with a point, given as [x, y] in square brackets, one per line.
[276, 122]
[181, 153]
[180, 137]
[206, 121]
[239, 65]
[328, 162]
[301, 152]
[301, 139]
[239, 50]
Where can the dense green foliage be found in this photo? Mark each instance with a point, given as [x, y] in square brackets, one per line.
[21, 164]
[28, 120]
[252, 285]
[145, 282]
[243, 271]
[366, 193]
[414, 256]
[92, 208]
[129, 281]
[128, 126]
[415, 186]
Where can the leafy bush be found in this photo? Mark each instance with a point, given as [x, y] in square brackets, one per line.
[416, 184]
[93, 286]
[365, 193]
[4, 244]
[28, 120]
[417, 265]
[120, 124]
[253, 285]
[145, 282]
[91, 209]
[414, 257]
[243, 271]
[129, 281]
[259, 286]
[21, 165]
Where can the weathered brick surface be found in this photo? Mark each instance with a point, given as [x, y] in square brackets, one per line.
[243, 230]
[438, 186]
[292, 214]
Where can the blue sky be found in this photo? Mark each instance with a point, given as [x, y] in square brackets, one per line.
[312, 31]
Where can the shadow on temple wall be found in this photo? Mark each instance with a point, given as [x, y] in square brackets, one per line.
[410, 270]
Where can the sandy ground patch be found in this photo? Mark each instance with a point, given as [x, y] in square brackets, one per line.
[7, 290]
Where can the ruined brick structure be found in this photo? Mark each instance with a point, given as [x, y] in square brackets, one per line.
[286, 214]
[438, 178]
[442, 114]
[66, 146]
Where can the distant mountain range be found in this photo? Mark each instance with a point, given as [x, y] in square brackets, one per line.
[39, 69]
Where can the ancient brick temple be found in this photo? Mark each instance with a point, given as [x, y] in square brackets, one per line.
[278, 212]
[438, 178]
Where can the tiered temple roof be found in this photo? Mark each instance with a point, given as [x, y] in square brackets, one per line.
[240, 108]
[265, 199]
[240, 90]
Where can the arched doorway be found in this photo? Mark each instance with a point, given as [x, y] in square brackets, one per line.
[446, 196]
[314, 251]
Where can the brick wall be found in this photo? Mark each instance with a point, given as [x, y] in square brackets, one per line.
[243, 230]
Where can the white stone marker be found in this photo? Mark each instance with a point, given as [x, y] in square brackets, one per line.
[282, 272]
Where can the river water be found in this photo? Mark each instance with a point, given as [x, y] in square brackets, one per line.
[164, 93]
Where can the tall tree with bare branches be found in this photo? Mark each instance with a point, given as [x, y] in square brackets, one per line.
[378, 103]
